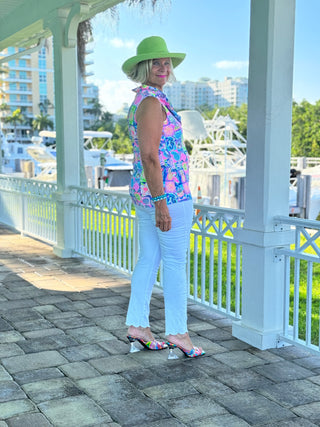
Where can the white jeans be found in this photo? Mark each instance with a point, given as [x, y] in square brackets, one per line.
[170, 247]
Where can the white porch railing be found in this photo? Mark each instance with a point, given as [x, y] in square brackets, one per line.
[28, 206]
[214, 259]
[302, 283]
[106, 228]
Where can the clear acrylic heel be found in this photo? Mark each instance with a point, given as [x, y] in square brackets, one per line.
[172, 355]
[133, 347]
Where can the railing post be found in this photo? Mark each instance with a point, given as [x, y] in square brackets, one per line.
[24, 214]
[268, 167]
[301, 163]
[63, 24]
[66, 224]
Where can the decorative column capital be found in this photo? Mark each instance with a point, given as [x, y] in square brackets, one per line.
[64, 23]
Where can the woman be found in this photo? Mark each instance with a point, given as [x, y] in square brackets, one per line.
[160, 191]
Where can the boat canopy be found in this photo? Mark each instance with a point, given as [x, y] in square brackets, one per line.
[86, 134]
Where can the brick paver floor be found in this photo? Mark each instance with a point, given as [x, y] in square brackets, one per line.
[64, 357]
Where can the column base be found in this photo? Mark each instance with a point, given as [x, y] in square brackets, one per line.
[63, 252]
[258, 339]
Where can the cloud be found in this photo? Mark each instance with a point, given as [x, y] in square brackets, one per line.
[114, 93]
[119, 43]
[231, 64]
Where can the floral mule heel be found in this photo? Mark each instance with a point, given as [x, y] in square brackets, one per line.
[153, 345]
[194, 352]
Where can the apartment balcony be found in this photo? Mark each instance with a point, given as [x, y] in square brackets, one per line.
[6, 126]
[20, 104]
[88, 73]
[18, 92]
[17, 80]
[17, 68]
[90, 117]
[87, 106]
[89, 95]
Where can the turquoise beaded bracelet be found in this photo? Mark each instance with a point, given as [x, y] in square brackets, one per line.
[158, 198]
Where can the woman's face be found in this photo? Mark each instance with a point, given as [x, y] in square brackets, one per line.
[160, 72]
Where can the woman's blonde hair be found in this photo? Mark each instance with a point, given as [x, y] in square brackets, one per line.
[140, 72]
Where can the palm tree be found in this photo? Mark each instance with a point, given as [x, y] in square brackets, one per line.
[4, 107]
[96, 108]
[45, 106]
[85, 27]
[15, 119]
[42, 122]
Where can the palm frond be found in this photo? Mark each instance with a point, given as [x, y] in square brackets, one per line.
[143, 3]
[83, 36]
[85, 28]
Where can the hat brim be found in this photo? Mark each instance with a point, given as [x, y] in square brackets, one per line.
[176, 59]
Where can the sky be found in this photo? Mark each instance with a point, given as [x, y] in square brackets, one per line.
[214, 34]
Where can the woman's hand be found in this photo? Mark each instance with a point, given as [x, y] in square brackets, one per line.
[163, 218]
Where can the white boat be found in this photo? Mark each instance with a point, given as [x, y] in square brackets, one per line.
[39, 160]
[217, 162]
[15, 155]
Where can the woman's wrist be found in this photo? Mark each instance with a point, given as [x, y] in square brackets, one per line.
[159, 198]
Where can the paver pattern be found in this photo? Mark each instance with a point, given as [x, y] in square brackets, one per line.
[65, 361]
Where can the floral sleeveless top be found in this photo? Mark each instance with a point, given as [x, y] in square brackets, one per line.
[173, 156]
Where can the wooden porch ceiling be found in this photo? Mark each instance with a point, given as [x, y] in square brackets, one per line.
[22, 21]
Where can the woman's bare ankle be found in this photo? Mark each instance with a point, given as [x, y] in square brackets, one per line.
[182, 340]
[140, 332]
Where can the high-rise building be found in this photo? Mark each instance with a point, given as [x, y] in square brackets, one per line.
[190, 95]
[90, 93]
[231, 91]
[28, 84]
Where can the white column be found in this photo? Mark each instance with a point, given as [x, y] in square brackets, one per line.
[63, 25]
[268, 170]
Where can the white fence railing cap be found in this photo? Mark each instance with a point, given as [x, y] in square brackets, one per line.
[298, 222]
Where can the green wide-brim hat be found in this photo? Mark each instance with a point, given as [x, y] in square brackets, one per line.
[151, 48]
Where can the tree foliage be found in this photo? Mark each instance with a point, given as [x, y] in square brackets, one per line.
[42, 122]
[4, 107]
[95, 108]
[103, 123]
[45, 105]
[121, 142]
[16, 118]
[306, 129]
